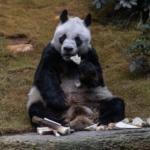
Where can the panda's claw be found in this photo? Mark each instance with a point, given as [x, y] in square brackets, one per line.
[65, 122]
[101, 122]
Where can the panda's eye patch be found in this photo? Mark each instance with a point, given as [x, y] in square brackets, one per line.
[62, 38]
[78, 41]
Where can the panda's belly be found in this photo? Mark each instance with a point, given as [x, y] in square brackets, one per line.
[77, 96]
[82, 109]
[82, 105]
[72, 86]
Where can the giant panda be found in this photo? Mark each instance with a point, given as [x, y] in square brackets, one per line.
[55, 94]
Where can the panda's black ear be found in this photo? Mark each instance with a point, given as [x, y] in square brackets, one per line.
[87, 20]
[64, 16]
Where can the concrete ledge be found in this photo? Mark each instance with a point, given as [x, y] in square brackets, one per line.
[92, 140]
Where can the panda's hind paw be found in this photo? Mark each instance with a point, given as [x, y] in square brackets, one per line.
[101, 122]
[65, 122]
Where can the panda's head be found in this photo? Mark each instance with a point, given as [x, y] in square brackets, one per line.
[72, 35]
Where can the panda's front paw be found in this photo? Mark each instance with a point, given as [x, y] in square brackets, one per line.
[87, 68]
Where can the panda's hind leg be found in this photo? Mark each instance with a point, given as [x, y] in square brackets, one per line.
[111, 110]
[80, 122]
[38, 109]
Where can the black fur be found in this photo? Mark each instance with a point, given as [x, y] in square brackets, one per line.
[78, 41]
[64, 16]
[111, 110]
[47, 76]
[62, 38]
[47, 80]
[91, 69]
[38, 109]
[87, 21]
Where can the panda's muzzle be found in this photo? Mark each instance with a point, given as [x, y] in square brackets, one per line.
[68, 52]
[67, 56]
[68, 49]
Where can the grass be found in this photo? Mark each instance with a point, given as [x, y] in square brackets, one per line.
[37, 20]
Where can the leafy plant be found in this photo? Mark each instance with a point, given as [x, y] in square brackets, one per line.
[117, 23]
[127, 9]
[140, 49]
[99, 3]
[131, 8]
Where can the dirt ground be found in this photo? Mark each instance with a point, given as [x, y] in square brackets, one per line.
[34, 22]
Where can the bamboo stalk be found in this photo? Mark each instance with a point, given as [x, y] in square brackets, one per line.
[51, 124]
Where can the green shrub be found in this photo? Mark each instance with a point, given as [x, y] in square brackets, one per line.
[140, 50]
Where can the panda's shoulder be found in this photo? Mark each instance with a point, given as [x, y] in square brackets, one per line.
[49, 51]
[91, 53]
[91, 50]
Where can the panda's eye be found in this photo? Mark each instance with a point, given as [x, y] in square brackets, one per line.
[78, 41]
[62, 38]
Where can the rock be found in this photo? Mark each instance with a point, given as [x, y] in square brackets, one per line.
[90, 140]
[19, 48]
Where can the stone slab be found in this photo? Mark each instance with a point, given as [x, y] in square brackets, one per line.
[88, 140]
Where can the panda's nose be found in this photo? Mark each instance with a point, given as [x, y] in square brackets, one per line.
[68, 49]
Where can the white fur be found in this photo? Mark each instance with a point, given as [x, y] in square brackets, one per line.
[34, 96]
[69, 86]
[87, 110]
[73, 27]
[71, 110]
[102, 92]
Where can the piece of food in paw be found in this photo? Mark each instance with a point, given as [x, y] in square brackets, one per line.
[76, 59]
